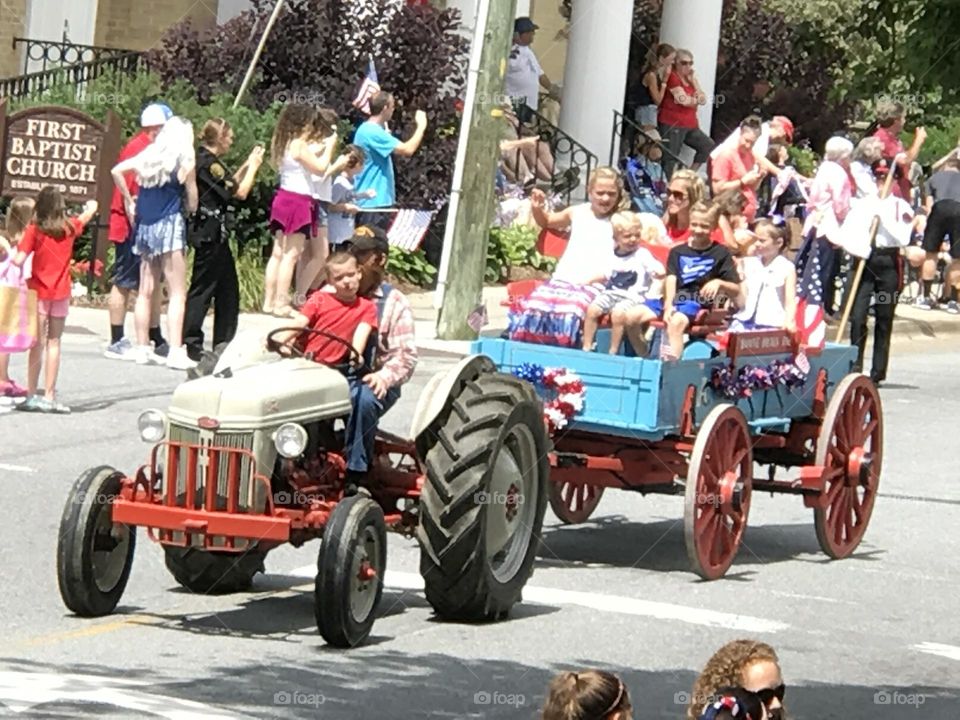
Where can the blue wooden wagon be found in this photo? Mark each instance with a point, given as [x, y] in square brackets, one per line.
[702, 425]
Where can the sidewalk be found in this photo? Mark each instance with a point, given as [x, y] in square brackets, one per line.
[909, 324]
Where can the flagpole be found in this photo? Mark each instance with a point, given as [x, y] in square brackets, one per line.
[256, 55]
[861, 262]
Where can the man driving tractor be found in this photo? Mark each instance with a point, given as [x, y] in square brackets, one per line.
[355, 309]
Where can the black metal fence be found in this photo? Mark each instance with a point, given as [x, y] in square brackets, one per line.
[627, 131]
[560, 162]
[67, 64]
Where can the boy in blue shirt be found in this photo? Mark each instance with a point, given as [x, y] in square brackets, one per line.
[379, 146]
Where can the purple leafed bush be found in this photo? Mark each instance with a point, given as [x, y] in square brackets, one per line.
[318, 52]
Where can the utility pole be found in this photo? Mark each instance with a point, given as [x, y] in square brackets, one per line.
[460, 281]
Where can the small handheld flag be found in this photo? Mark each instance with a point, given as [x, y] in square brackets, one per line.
[368, 88]
[408, 228]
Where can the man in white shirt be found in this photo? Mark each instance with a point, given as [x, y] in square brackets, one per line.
[524, 74]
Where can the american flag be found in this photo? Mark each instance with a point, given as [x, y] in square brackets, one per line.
[811, 325]
[408, 228]
[368, 88]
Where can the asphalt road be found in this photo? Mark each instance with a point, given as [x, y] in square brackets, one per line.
[872, 637]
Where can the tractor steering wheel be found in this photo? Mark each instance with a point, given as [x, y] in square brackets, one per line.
[289, 350]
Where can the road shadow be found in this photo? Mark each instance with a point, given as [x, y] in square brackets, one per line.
[375, 683]
[659, 545]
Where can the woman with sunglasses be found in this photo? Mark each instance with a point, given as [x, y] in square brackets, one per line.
[685, 190]
[749, 664]
[591, 694]
[677, 116]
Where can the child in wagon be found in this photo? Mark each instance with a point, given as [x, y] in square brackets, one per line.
[627, 285]
[698, 271]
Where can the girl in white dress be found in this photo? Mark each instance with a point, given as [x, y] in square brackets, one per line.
[768, 293]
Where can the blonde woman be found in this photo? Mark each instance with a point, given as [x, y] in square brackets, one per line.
[685, 190]
[166, 174]
[554, 313]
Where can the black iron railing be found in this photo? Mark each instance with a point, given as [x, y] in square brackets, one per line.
[569, 163]
[627, 131]
[77, 75]
[51, 54]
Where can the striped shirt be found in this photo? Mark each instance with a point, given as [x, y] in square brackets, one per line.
[396, 343]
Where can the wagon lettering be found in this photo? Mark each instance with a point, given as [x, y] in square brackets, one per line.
[765, 342]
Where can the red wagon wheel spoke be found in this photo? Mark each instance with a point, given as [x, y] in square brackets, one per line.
[718, 491]
[574, 502]
[850, 450]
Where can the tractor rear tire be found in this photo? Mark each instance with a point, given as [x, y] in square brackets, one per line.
[483, 502]
[94, 556]
[350, 571]
[207, 572]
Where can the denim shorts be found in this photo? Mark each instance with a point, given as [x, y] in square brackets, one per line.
[126, 265]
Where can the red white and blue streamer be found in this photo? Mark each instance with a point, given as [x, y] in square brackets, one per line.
[569, 389]
[735, 384]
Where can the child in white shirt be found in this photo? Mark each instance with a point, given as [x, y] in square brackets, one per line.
[768, 293]
[632, 273]
[342, 211]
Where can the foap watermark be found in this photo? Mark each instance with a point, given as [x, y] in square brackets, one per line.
[512, 499]
[297, 97]
[296, 697]
[907, 100]
[895, 697]
[295, 497]
[486, 697]
[685, 698]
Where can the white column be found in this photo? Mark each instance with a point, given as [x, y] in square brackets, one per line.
[523, 8]
[694, 25]
[595, 74]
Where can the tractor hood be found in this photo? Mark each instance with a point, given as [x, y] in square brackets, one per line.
[263, 395]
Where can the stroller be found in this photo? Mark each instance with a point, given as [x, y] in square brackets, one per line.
[645, 183]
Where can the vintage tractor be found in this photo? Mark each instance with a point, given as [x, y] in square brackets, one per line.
[251, 457]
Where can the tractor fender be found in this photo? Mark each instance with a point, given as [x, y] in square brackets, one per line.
[434, 396]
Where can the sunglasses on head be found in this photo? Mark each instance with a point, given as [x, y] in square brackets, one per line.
[768, 694]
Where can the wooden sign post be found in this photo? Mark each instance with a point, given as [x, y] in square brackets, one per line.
[64, 148]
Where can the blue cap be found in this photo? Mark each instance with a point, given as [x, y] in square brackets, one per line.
[524, 25]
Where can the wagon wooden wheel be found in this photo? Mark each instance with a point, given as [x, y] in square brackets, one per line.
[850, 448]
[719, 481]
[574, 502]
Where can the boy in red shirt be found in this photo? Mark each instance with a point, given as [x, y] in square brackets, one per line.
[50, 238]
[341, 313]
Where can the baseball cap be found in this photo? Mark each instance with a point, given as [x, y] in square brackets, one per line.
[367, 238]
[651, 135]
[524, 25]
[155, 114]
[786, 123]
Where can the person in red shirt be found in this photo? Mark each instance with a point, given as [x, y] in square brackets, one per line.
[126, 266]
[686, 189]
[736, 168]
[50, 238]
[891, 117]
[677, 116]
[341, 313]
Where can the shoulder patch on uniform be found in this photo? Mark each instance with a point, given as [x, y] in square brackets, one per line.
[218, 171]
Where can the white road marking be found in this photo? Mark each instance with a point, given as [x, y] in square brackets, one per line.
[16, 468]
[19, 691]
[948, 651]
[605, 603]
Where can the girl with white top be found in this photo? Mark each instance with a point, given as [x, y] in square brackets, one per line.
[323, 143]
[293, 214]
[768, 294]
[554, 312]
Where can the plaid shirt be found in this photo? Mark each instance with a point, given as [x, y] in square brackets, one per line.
[396, 344]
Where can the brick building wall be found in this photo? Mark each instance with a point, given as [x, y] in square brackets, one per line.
[13, 20]
[139, 25]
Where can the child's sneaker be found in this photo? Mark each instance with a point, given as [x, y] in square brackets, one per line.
[122, 349]
[178, 359]
[953, 308]
[11, 390]
[145, 356]
[923, 303]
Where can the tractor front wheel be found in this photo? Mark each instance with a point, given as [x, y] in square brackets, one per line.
[482, 506]
[94, 555]
[208, 572]
[350, 568]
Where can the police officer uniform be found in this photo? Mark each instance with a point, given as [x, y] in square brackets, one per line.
[214, 269]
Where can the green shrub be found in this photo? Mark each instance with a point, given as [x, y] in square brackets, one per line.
[411, 267]
[513, 247]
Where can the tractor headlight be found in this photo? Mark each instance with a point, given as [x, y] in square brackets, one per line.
[152, 425]
[290, 440]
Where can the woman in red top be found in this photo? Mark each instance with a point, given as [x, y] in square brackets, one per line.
[678, 115]
[50, 238]
[686, 189]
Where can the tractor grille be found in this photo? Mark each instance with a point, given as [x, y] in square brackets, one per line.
[205, 463]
